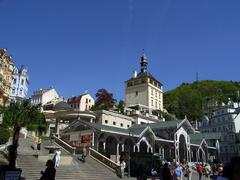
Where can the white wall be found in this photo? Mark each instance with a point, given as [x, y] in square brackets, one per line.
[86, 102]
[109, 118]
[49, 95]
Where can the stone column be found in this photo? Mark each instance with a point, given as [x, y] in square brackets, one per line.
[93, 136]
[57, 127]
[163, 156]
[104, 146]
[122, 147]
[117, 149]
[134, 147]
[138, 148]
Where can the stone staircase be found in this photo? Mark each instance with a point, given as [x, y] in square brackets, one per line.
[31, 166]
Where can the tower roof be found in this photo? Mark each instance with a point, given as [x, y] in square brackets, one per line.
[144, 72]
[143, 62]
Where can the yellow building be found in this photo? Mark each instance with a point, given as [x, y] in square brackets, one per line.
[6, 71]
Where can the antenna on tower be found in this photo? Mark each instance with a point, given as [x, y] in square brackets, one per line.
[196, 76]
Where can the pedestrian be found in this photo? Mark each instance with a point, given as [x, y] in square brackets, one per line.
[166, 174]
[200, 171]
[84, 154]
[226, 174]
[154, 174]
[207, 170]
[39, 143]
[50, 171]
[235, 168]
[189, 170]
[123, 167]
[178, 172]
[36, 142]
[57, 157]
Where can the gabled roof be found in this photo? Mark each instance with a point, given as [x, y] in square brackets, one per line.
[76, 98]
[207, 136]
[160, 125]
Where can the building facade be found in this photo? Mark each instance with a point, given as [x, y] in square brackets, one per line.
[143, 89]
[43, 96]
[20, 83]
[6, 71]
[226, 121]
[83, 102]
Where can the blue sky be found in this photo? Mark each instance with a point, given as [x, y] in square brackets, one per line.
[83, 45]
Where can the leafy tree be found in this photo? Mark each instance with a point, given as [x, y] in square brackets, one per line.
[190, 98]
[19, 115]
[121, 106]
[165, 115]
[104, 100]
[4, 135]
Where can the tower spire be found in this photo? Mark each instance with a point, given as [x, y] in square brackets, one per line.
[143, 62]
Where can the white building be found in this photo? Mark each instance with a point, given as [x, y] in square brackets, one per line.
[83, 102]
[143, 89]
[42, 96]
[20, 83]
[225, 120]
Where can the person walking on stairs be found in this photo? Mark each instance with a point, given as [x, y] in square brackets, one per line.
[57, 157]
[50, 171]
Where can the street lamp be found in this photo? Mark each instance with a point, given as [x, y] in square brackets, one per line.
[129, 151]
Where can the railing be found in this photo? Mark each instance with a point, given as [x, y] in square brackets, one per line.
[65, 145]
[106, 161]
[3, 147]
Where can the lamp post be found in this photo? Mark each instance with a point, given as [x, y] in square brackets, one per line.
[129, 151]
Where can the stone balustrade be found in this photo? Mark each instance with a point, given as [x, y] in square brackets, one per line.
[106, 161]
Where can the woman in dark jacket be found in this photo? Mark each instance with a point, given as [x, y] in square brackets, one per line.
[50, 171]
[166, 174]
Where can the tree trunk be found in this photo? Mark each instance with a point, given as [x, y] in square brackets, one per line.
[13, 148]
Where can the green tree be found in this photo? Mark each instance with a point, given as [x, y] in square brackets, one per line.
[190, 98]
[121, 106]
[18, 115]
[104, 100]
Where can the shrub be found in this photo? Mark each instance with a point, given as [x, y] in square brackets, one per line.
[4, 135]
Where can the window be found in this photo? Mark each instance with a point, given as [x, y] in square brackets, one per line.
[114, 123]
[87, 100]
[156, 93]
[156, 104]
[136, 93]
[106, 121]
[14, 81]
[22, 82]
[21, 91]
[152, 102]
[74, 105]
[129, 84]
[13, 91]
[128, 126]
[121, 124]
[152, 92]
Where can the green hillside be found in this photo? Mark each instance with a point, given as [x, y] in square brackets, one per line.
[189, 98]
